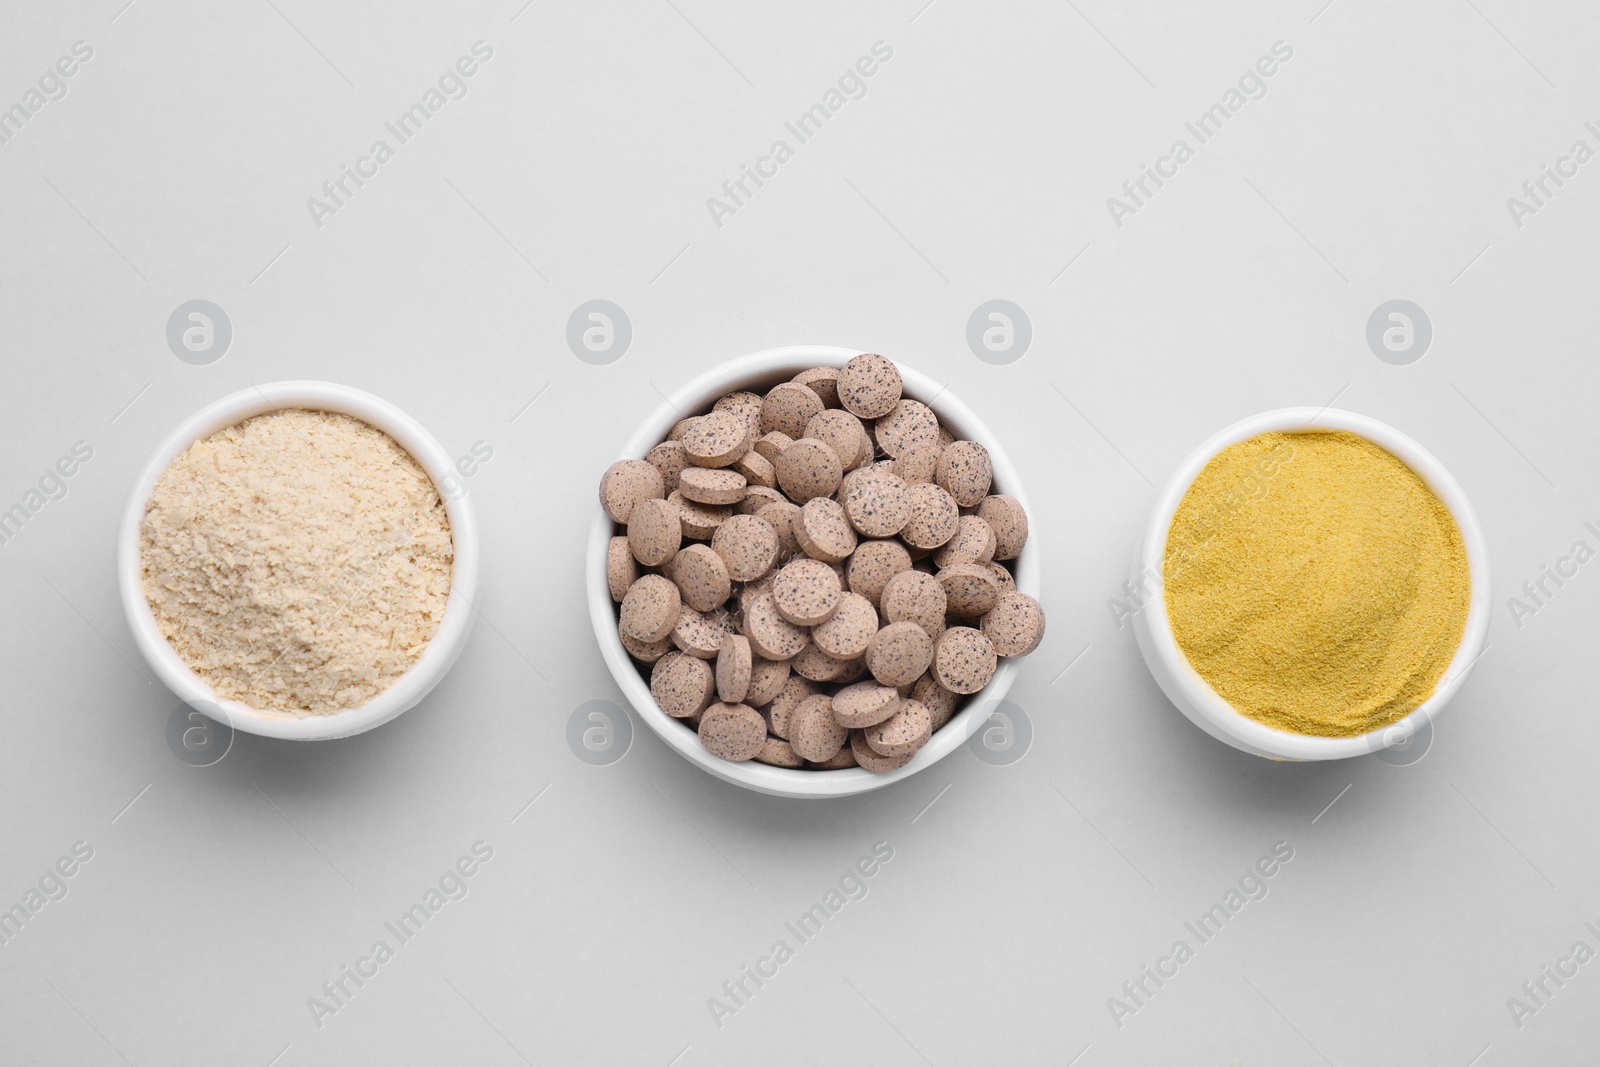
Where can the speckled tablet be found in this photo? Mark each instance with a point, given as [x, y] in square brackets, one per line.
[899, 653]
[1015, 625]
[732, 731]
[963, 660]
[869, 386]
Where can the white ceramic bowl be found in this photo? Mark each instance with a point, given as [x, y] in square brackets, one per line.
[435, 660]
[758, 373]
[1195, 697]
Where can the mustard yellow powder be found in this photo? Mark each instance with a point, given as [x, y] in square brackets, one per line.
[1316, 582]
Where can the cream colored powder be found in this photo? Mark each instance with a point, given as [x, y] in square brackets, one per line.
[298, 562]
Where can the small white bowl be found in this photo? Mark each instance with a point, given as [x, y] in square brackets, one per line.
[1195, 697]
[758, 373]
[435, 660]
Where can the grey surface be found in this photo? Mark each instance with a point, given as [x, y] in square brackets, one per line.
[977, 167]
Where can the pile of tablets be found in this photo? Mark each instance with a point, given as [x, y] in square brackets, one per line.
[817, 575]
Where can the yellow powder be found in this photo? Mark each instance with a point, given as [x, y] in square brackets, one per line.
[298, 562]
[1316, 582]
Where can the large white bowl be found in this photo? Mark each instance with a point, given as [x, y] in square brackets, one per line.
[758, 373]
[435, 660]
[1195, 697]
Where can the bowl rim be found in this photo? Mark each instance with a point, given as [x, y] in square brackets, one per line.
[444, 647]
[700, 392]
[1199, 701]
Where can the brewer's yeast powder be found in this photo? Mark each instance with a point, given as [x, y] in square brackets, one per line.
[1316, 582]
[298, 561]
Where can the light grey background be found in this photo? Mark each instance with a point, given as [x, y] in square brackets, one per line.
[977, 167]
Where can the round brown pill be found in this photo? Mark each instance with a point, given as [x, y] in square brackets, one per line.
[973, 542]
[644, 651]
[787, 408]
[899, 653]
[795, 692]
[940, 702]
[680, 427]
[1008, 581]
[757, 497]
[963, 660]
[864, 704]
[824, 381]
[748, 591]
[701, 577]
[700, 633]
[869, 450]
[855, 670]
[913, 596]
[1015, 625]
[966, 472]
[622, 570]
[806, 591]
[669, 460]
[808, 468]
[918, 463]
[698, 521]
[650, 609]
[771, 445]
[877, 502]
[969, 589]
[757, 470]
[717, 439]
[867, 759]
[871, 566]
[771, 635]
[902, 733]
[681, 685]
[813, 733]
[734, 664]
[745, 405]
[817, 665]
[782, 515]
[934, 517]
[748, 544]
[655, 530]
[824, 531]
[843, 759]
[840, 431]
[1006, 516]
[909, 424]
[625, 483]
[712, 485]
[869, 386]
[779, 753]
[767, 678]
[848, 630]
[733, 732]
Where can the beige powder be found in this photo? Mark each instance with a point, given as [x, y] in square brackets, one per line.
[298, 561]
